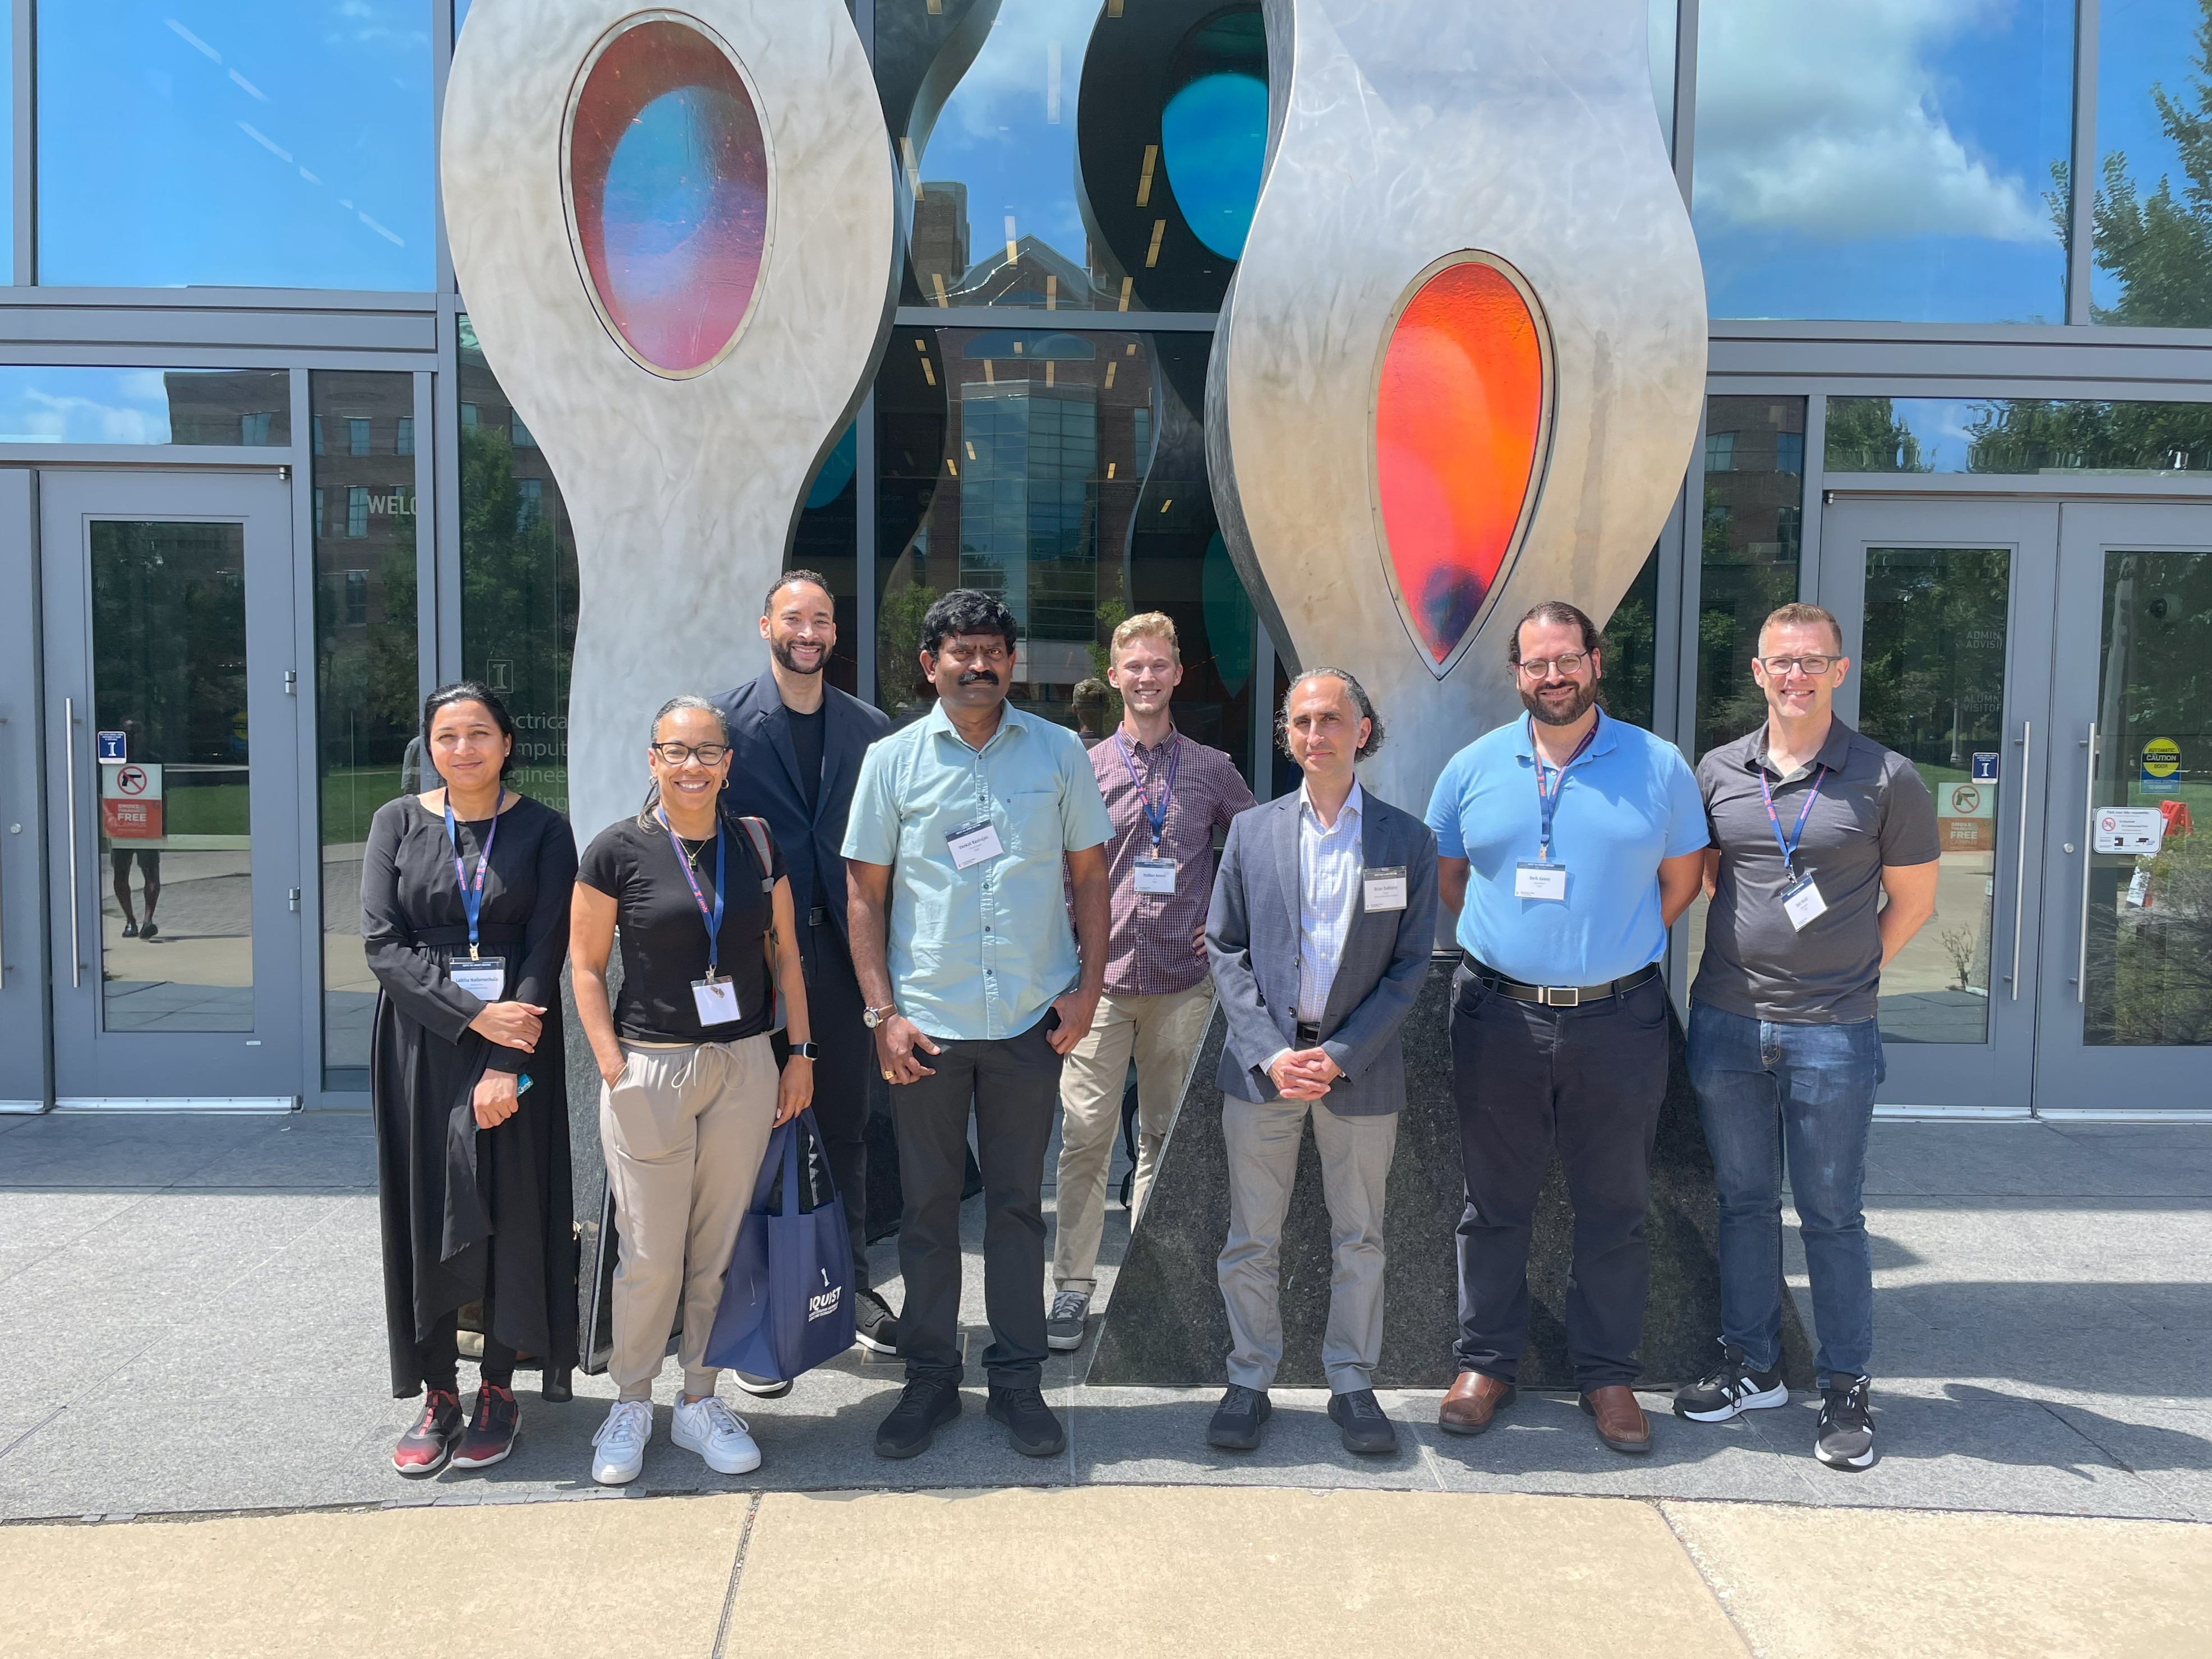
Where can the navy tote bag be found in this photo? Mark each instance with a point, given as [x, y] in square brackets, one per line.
[787, 1302]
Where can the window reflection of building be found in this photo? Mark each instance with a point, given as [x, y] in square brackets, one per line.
[251, 407]
[1753, 521]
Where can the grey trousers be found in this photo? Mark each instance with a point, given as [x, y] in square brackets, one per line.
[1355, 1169]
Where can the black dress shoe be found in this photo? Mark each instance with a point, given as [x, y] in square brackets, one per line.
[925, 1406]
[1030, 1426]
[1366, 1429]
[1236, 1419]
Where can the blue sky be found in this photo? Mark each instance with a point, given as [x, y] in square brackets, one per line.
[2141, 42]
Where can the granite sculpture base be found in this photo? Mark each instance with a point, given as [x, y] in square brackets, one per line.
[1165, 1326]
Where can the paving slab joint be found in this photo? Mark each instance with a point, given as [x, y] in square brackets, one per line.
[1710, 1577]
[736, 1571]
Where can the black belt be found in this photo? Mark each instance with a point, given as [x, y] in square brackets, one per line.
[819, 916]
[1556, 996]
[1309, 1036]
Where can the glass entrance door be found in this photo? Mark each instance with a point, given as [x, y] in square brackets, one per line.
[1947, 610]
[173, 778]
[2127, 954]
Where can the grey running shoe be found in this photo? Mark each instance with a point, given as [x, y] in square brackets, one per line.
[1063, 1326]
[1847, 1434]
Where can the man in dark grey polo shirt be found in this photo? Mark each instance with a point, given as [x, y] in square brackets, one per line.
[1812, 827]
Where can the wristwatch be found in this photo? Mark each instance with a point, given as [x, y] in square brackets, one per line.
[872, 1018]
[807, 1050]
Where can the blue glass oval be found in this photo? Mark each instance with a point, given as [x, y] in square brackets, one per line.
[1213, 136]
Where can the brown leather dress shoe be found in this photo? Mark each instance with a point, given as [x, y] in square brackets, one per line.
[1472, 1400]
[1621, 1422]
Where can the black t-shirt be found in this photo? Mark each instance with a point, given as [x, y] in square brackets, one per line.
[806, 739]
[663, 934]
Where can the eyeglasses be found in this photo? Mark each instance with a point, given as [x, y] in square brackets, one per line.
[1812, 665]
[1540, 668]
[675, 754]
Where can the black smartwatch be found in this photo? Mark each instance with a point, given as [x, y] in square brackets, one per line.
[807, 1050]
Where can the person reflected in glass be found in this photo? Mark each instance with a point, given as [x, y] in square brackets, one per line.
[464, 895]
[148, 859]
[703, 905]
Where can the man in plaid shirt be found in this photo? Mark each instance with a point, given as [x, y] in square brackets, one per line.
[1167, 796]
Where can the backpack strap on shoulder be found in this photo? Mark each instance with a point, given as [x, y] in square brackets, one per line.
[763, 849]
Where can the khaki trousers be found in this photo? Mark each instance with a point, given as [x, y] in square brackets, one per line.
[685, 1129]
[1161, 1032]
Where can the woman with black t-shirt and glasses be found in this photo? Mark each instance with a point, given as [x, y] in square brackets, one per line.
[692, 1088]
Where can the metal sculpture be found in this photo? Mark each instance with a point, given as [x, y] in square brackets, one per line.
[674, 231]
[1460, 366]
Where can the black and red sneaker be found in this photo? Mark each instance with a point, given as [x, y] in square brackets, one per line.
[490, 1434]
[425, 1449]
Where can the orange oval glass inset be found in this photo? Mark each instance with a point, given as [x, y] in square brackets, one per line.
[1458, 416]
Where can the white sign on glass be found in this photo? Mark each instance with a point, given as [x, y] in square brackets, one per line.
[2137, 830]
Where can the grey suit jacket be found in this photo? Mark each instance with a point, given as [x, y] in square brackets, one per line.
[1252, 941]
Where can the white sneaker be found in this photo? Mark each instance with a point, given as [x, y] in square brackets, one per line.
[716, 1433]
[620, 1442]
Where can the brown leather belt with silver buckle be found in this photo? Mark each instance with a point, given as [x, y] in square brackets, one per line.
[1556, 996]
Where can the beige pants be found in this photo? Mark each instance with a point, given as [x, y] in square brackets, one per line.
[685, 1130]
[1163, 1032]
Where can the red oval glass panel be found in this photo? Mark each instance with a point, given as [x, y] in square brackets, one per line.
[1458, 415]
[668, 185]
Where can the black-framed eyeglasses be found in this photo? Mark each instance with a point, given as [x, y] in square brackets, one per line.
[675, 754]
[1814, 666]
[1569, 663]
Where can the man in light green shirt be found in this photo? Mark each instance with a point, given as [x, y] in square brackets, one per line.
[964, 826]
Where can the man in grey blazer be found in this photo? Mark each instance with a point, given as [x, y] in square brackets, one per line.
[1320, 935]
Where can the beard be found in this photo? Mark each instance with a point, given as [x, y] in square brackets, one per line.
[781, 653]
[1585, 696]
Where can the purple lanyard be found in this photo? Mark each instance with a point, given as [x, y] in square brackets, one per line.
[1547, 800]
[472, 896]
[1157, 820]
[711, 915]
[1790, 848]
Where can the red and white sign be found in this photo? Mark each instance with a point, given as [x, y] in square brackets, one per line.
[131, 801]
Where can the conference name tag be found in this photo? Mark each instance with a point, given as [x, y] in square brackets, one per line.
[1385, 887]
[482, 978]
[1802, 903]
[971, 843]
[1156, 875]
[1536, 880]
[717, 999]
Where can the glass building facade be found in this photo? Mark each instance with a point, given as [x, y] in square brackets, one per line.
[1959, 267]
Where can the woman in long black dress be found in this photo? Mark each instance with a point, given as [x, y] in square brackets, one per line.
[464, 899]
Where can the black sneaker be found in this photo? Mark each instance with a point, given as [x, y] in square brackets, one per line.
[1031, 1428]
[491, 1431]
[428, 1446]
[1729, 1391]
[1238, 1419]
[1367, 1430]
[925, 1405]
[875, 1327]
[1847, 1434]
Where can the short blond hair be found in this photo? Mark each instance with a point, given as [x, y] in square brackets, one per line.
[1803, 616]
[1150, 625]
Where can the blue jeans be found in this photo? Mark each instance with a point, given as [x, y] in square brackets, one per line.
[1766, 1088]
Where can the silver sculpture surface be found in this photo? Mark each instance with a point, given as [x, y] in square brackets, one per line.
[1401, 136]
[683, 480]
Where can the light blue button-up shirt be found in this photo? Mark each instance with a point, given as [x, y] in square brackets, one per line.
[980, 953]
[1329, 860]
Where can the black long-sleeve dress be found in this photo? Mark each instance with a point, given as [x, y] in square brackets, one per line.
[470, 1214]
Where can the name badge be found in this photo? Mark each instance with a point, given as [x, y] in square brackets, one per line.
[971, 843]
[1385, 887]
[717, 999]
[1536, 880]
[1802, 902]
[1156, 875]
[482, 978]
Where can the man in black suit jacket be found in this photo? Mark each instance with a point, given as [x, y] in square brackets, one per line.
[796, 743]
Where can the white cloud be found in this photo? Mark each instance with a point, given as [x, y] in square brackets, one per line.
[1825, 120]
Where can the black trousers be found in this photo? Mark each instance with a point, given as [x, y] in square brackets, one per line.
[1013, 1086]
[1589, 1081]
[438, 1355]
[833, 1007]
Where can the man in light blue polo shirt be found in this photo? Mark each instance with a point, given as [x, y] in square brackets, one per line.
[961, 826]
[1567, 843]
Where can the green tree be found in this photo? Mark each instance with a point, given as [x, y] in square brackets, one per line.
[1867, 435]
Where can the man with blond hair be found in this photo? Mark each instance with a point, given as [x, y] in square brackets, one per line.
[1166, 797]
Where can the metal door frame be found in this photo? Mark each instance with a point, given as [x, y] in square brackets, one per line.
[267, 1069]
[1996, 1079]
[26, 1050]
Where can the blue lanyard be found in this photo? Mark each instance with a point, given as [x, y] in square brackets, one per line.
[1547, 798]
[712, 916]
[1157, 820]
[1790, 847]
[472, 896]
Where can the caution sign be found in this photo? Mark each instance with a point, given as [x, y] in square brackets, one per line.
[131, 801]
[1966, 816]
[2161, 767]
